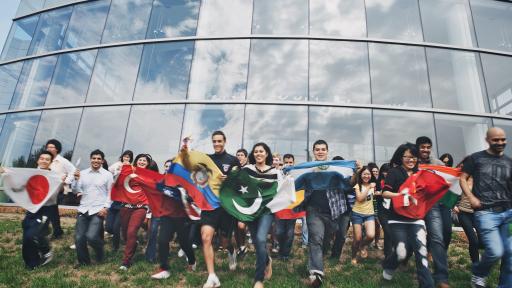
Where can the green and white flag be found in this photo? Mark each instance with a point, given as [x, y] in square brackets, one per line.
[247, 193]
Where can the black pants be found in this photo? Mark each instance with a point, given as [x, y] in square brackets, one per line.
[169, 226]
[388, 236]
[467, 221]
[89, 230]
[52, 212]
[341, 235]
[34, 244]
[113, 226]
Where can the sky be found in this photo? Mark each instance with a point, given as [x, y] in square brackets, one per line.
[6, 14]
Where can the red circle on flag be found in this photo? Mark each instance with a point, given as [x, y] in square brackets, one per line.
[37, 188]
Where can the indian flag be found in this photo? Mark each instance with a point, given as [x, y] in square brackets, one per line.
[451, 175]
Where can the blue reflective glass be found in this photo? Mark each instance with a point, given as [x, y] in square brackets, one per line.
[215, 19]
[493, 24]
[55, 3]
[86, 24]
[114, 74]
[127, 20]
[19, 38]
[497, 71]
[50, 31]
[394, 19]
[29, 6]
[71, 78]
[17, 136]
[280, 17]
[164, 71]
[343, 18]
[8, 78]
[34, 82]
[172, 18]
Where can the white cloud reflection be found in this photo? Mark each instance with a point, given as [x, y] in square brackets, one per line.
[343, 18]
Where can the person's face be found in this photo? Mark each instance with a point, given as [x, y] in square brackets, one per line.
[385, 174]
[366, 175]
[375, 172]
[142, 162]
[96, 162]
[276, 161]
[51, 148]
[497, 141]
[288, 162]
[446, 160]
[260, 155]
[126, 158]
[241, 158]
[44, 161]
[218, 143]
[320, 152]
[408, 160]
[425, 150]
[166, 166]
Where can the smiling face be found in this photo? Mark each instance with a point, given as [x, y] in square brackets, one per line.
[375, 172]
[96, 161]
[241, 158]
[366, 175]
[320, 152]
[288, 161]
[44, 161]
[142, 162]
[218, 143]
[126, 158]
[260, 155]
[497, 140]
[408, 160]
[425, 150]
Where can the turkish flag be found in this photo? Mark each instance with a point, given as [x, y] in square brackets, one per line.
[129, 186]
[426, 188]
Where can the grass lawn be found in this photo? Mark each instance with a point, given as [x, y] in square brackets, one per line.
[60, 272]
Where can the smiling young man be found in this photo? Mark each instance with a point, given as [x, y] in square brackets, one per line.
[93, 186]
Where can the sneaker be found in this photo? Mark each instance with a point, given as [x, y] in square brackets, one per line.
[258, 284]
[194, 246]
[353, 261]
[387, 274]
[212, 281]
[477, 282]
[192, 268]
[181, 253]
[73, 247]
[232, 261]
[364, 253]
[268, 269]
[47, 258]
[123, 268]
[241, 252]
[161, 274]
[315, 280]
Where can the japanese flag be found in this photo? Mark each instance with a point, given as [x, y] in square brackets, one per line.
[30, 188]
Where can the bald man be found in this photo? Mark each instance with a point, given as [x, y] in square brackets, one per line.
[491, 198]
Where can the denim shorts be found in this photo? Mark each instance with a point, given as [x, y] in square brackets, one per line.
[358, 218]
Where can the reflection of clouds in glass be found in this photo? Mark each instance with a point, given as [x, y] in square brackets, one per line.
[497, 70]
[49, 34]
[283, 128]
[493, 23]
[347, 131]
[339, 72]
[219, 70]
[202, 120]
[19, 38]
[171, 18]
[127, 20]
[280, 17]
[86, 24]
[344, 18]
[8, 78]
[399, 75]
[114, 74]
[215, 19]
[394, 19]
[278, 70]
[17, 136]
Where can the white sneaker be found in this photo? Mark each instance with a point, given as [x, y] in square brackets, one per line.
[47, 258]
[72, 247]
[181, 253]
[194, 246]
[212, 281]
[162, 274]
[123, 268]
[477, 282]
[232, 260]
[192, 268]
[387, 274]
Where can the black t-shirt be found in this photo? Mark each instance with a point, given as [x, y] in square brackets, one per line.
[396, 177]
[491, 178]
[319, 200]
[225, 161]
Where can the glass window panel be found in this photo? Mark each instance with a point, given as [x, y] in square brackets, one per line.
[394, 19]
[215, 19]
[55, 3]
[455, 80]
[399, 75]
[278, 70]
[343, 18]
[127, 20]
[101, 128]
[460, 135]
[164, 71]
[50, 31]
[59, 124]
[283, 128]
[160, 118]
[19, 38]
[29, 6]
[497, 71]
[71, 78]
[202, 120]
[86, 24]
[493, 24]
[8, 78]
[33, 83]
[2, 120]
[17, 137]
[447, 22]
[392, 128]
[507, 126]
[352, 140]
[280, 17]
[114, 74]
[219, 70]
[172, 18]
[339, 72]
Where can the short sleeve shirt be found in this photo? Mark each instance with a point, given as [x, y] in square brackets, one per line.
[396, 177]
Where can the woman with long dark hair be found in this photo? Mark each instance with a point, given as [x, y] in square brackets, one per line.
[383, 208]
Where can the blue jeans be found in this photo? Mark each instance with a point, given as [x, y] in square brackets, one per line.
[304, 231]
[152, 240]
[319, 224]
[259, 230]
[285, 230]
[439, 231]
[496, 238]
[341, 235]
[88, 230]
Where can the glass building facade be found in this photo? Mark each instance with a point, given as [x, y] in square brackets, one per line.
[365, 75]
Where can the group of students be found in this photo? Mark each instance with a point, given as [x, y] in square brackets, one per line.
[485, 212]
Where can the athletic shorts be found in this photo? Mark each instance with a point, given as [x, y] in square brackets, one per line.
[358, 218]
[220, 220]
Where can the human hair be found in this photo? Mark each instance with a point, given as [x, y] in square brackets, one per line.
[56, 143]
[276, 155]
[242, 150]
[450, 159]
[147, 156]
[153, 166]
[288, 156]
[338, 158]
[320, 142]
[384, 168]
[423, 140]
[218, 132]
[372, 165]
[97, 152]
[360, 179]
[268, 160]
[396, 160]
[126, 152]
[46, 152]
[105, 164]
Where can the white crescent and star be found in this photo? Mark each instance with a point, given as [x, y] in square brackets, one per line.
[243, 189]
[251, 209]
[127, 183]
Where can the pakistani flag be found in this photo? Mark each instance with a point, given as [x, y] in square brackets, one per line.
[247, 194]
[451, 175]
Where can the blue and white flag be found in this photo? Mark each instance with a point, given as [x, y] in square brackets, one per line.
[322, 175]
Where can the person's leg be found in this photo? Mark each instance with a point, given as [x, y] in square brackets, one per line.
[152, 239]
[399, 248]
[388, 242]
[506, 260]
[316, 230]
[357, 235]
[446, 215]
[207, 232]
[259, 230]
[488, 224]
[54, 218]
[136, 220]
[81, 227]
[466, 221]
[369, 228]
[183, 229]
[164, 237]
[29, 249]
[240, 235]
[341, 234]
[304, 228]
[116, 230]
[124, 219]
[94, 236]
[289, 233]
[435, 227]
[417, 234]
[377, 231]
